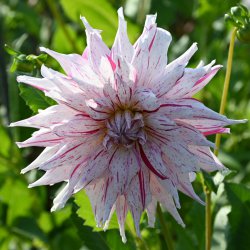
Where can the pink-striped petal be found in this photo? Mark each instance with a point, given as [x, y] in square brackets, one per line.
[122, 46]
[165, 80]
[145, 100]
[78, 126]
[203, 81]
[164, 197]
[41, 138]
[138, 196]
[121, 211]
[151, 156]
[51, 116]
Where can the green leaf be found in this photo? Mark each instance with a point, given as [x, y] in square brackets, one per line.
[66, 46]
[34, 98]
[10, 50]
[86, 213]
[209, 182]
[93, 240]
[29, 228]
[239, 217]
[101, 15]
[114, 241]
[6, 143]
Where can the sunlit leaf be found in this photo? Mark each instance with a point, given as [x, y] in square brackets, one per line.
[34, 98]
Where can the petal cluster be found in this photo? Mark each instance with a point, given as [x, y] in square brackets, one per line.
[125, 128]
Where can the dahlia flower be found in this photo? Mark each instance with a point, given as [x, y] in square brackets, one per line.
[125, 128]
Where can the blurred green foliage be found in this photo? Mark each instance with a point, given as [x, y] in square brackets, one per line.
[25, 218]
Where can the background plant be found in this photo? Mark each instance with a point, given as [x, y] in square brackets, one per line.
[25, 220]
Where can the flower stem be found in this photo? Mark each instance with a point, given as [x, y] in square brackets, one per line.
[141, 244]
[165, 230]
[218, 138]
[59, 19]
[226, 85]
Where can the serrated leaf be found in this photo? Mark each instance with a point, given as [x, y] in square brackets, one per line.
[34, 98]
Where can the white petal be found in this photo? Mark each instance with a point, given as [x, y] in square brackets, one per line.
[164, 197]
[80, 125]
[47, 153]
[203, 81]
[68, 190]
[185, 83]
[70, 153]
[98, 53]
[121, 211]
[151, 156]
[196, 114]
[185, 186]
[165, 80]
[138, 197]
[65, 61]
[51, 116]
[39, 83]
[53, 176]
[151, 212]
[122, 46]
[145, 100]
[41, 138]
[123, 168]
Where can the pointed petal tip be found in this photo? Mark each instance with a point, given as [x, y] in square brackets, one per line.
[182, 224]
[12, 124]
[243, 121]
[56, 206]
[178, 205]
[43, 49]
[20, 78]
[225, 171]
[238, 121]
[105, 228]
[23, 171]
[217, 67]
[124, 239]
[86, 23]
[120, 12]
[20, 144]
[31, 185]
[202, 202]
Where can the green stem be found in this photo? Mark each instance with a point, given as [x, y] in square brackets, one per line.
[164, 229]
[141, 244]
[218, 138]
[226, 86]
[52, 6]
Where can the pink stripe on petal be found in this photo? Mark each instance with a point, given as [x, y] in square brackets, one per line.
[142, 187]
[149, 165]
[217, 131]
[112, 63]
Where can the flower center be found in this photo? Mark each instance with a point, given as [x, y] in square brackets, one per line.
[125, 128]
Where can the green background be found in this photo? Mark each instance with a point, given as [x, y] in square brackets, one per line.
[25, 219]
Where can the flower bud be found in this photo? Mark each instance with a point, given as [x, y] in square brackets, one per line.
[243, 34]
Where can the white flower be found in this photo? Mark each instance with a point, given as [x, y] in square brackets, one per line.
[126, 128]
